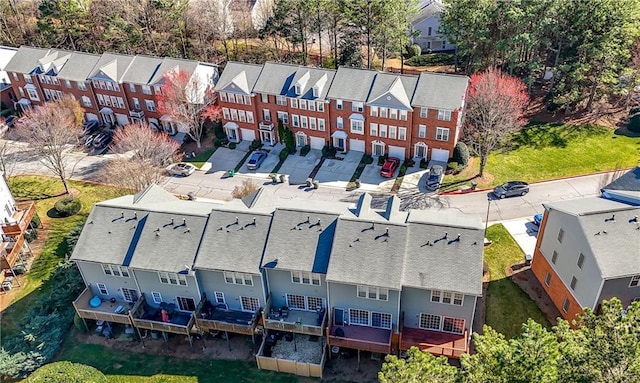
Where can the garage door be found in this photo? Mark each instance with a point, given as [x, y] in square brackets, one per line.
[91, 117]
[247, 134]
[122, 119]
[439, 155]
[396, 151]
[316, 143]
[356, 145]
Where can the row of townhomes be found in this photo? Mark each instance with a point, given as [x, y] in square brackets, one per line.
[588, 250]
[15, 218]
[350, 109]
[112, 88]
[328, 277]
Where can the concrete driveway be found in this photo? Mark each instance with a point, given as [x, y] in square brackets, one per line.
[371, 180]
[525, 233]
[267, 165]
[225, 159]
[298, 168]
[338, 172]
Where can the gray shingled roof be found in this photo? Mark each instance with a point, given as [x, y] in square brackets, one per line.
[238, 78]
[617, 251]
[351, 84]
[114, 66]
[26, 59]
[392, 91]
[366, 253]
[629, 181]
[78, 67]
[440, 91]
[169, 64]
[6, 54]
[142, 70]
[300, 240]
[312, 77]
[231, 246]
[428, 8]
[275, 78]
[435, 262]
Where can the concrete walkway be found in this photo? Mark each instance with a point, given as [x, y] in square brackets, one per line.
[525, 233]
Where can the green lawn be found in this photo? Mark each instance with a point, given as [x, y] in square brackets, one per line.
[546, 151]
[201, 158]
[124, 367]
[507, 306]
[47, 191]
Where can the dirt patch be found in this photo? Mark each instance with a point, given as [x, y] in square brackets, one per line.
[206, 143]
[522, 275]
[470, 173]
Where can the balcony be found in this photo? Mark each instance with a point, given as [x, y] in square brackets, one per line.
[266, 125]
[150, 318]
[20, 220]
[115, 312]
[361, 338]
[136, 113]
[217, 317]
[298, 321]
[435, 342]
[294, 354]
[10, 251]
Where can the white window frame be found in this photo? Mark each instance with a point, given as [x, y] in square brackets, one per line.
[373, 129]
[67, 83]
[422, 131]
[357, 106]
[264, 98]
[81, 85]
[321, 125]
[116, 271]
[86, 101]
[284, 117]
[150, 105]
[234, 114]
[157, 297]
[250, 117]
[393, 132]
[128, 298]
[447, 297]
[373, 111]
[136, 103]
[403, 115]
[295, 120]
[320, 106]
[172, 278]
[385, 318]
[383, 112]
[359, 314]
[402, 134]
[357, 126]
[234, 278]
[146, 89]
[102, 288]
[339, 105]
[313, 124]
[393, 113]
[33, 94]
[132, 88]
[382, 132]
[218, 296]
[304, 122]
[312, 105]
[247, 99]
[225, 114]
[427, 319]
[294, 103]
[303, 104]
[27, 78]
[281, 100]
[547, 279]
[252, 301]
[442, 134]
[444, 115]
[635, 281]
[372, 292]
[305, 277]
[339, 123]
[453, 322]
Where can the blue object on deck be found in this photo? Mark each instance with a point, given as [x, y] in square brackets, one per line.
[95, 301]
[119, 309]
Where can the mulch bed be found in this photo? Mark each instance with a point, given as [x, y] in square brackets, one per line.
[524, 278]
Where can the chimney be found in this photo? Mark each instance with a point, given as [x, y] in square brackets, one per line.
[392, 212]
[364, 205]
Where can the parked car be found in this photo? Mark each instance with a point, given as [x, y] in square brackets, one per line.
[511, 188]
[102, 140]
[88, 142]
[435, 176]
[181, 169]
[256, 159]
[537, 219]
[389, 167]
[90, 127]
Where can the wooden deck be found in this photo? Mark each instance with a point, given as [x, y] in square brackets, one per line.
[10, 251]
[106, 311]
[180, 323]
[298, 321]
[209, 317]
[21, 219]
[435, 342]
[361, 338]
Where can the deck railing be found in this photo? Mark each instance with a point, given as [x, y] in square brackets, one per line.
[439, 349]
[22, 216]
[290, 324]
[219, 325]
[359, 344]
[290, 366]
[150, 324]
[10, 251]
[81, 304]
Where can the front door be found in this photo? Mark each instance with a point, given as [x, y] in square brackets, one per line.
[421, 151]
[378, 149]
[108, 118]
[232, 135]
[302, 139]
[339, 143]
[266, 137]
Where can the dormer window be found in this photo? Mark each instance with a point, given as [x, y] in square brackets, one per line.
[316, 91]
[298, 89]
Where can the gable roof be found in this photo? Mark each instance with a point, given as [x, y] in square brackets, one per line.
[436, 258]
[111, 67]
[78, 67]
[300, 240]
[275, 78]
[351, 84]
[427, 9]
[233, 241]
[26, 59]
[392, 91]
[611, 231]
[629, 181]
[142, 70]
[238, 78]
[169, 64]
[308, 78]
[440, 91]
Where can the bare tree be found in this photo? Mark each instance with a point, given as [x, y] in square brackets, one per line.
[188, 99]
[141, 156]
[51, 132]
[495, 108]
[215, 21]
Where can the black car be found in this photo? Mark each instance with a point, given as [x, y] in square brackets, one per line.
[90, 127]
[102, 140]
[511, 188]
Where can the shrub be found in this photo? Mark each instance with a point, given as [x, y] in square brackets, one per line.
[67, 372]
[461, 154]
[634, 123]
[414, 50]
[367, 159]
[232, 145]
[68, 206]
[431, 59]
[36, 221]
[424, 163]
[329, 151]
[305, 150]
[218, 130]
[284, 153]
[453, 167]
[255, 144]
[218, 142]
[247, 187]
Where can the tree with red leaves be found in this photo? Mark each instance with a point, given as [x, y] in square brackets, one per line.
[495, 108]
[141, 156]
[189, 100]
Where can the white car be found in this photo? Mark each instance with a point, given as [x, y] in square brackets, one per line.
[181, 169]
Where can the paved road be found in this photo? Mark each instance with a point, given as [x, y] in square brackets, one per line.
[216, 186]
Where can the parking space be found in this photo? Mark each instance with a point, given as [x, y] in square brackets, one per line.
[298, 168]
[415, 179]
[525, 233]
[267, 165]
[371, 180]
[338, 172]
[224, 159]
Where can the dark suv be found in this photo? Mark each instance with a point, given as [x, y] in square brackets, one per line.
[511, 188]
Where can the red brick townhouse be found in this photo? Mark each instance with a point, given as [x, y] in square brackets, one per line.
[114, 89]
[351, 109]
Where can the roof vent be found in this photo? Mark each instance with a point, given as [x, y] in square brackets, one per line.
[220, 228]
[184, 222]
[157, 234]
[445, 235]
[172, 220]
[121, 214]
[157, 230]
[612, 219]
[254, 221]
[135, 215]
[634, 219]
[237, 221]
[188, 230]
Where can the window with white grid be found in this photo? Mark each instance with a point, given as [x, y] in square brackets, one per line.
[436, 295]
[442, 134]
[315, 303]
[457, 299]
[359, 317]
[430, 321]
[296, 301]
[380, 320]
[250, 304]
[172, 278]
[373, 111]
[371, 292]
[635, 281]
[281, 100]
[454, 325]
[219, 295]
[238, 278]
[424, 112]
[446, 297]
[444, 115]
[157, 298]
[102, 288]
[130, 295]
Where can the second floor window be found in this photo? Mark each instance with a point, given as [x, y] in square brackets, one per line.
[81, 85]
[321, 124]
[305, 278]
[373, 111]
[357, 106]
[238, 278]
[339, 123]
[424, 112]
[151, 106]
[444, 115]
[264, 97]
[635, 281]
[442, 134]
[447, 297]
[357, 126]
[132, 87]
[281, 100]
[284, 117]
[115, 270]
[27, 78]
[370, 292]
[373, 129]
[172, 278]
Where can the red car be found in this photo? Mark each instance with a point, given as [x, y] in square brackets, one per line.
[389, 167]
